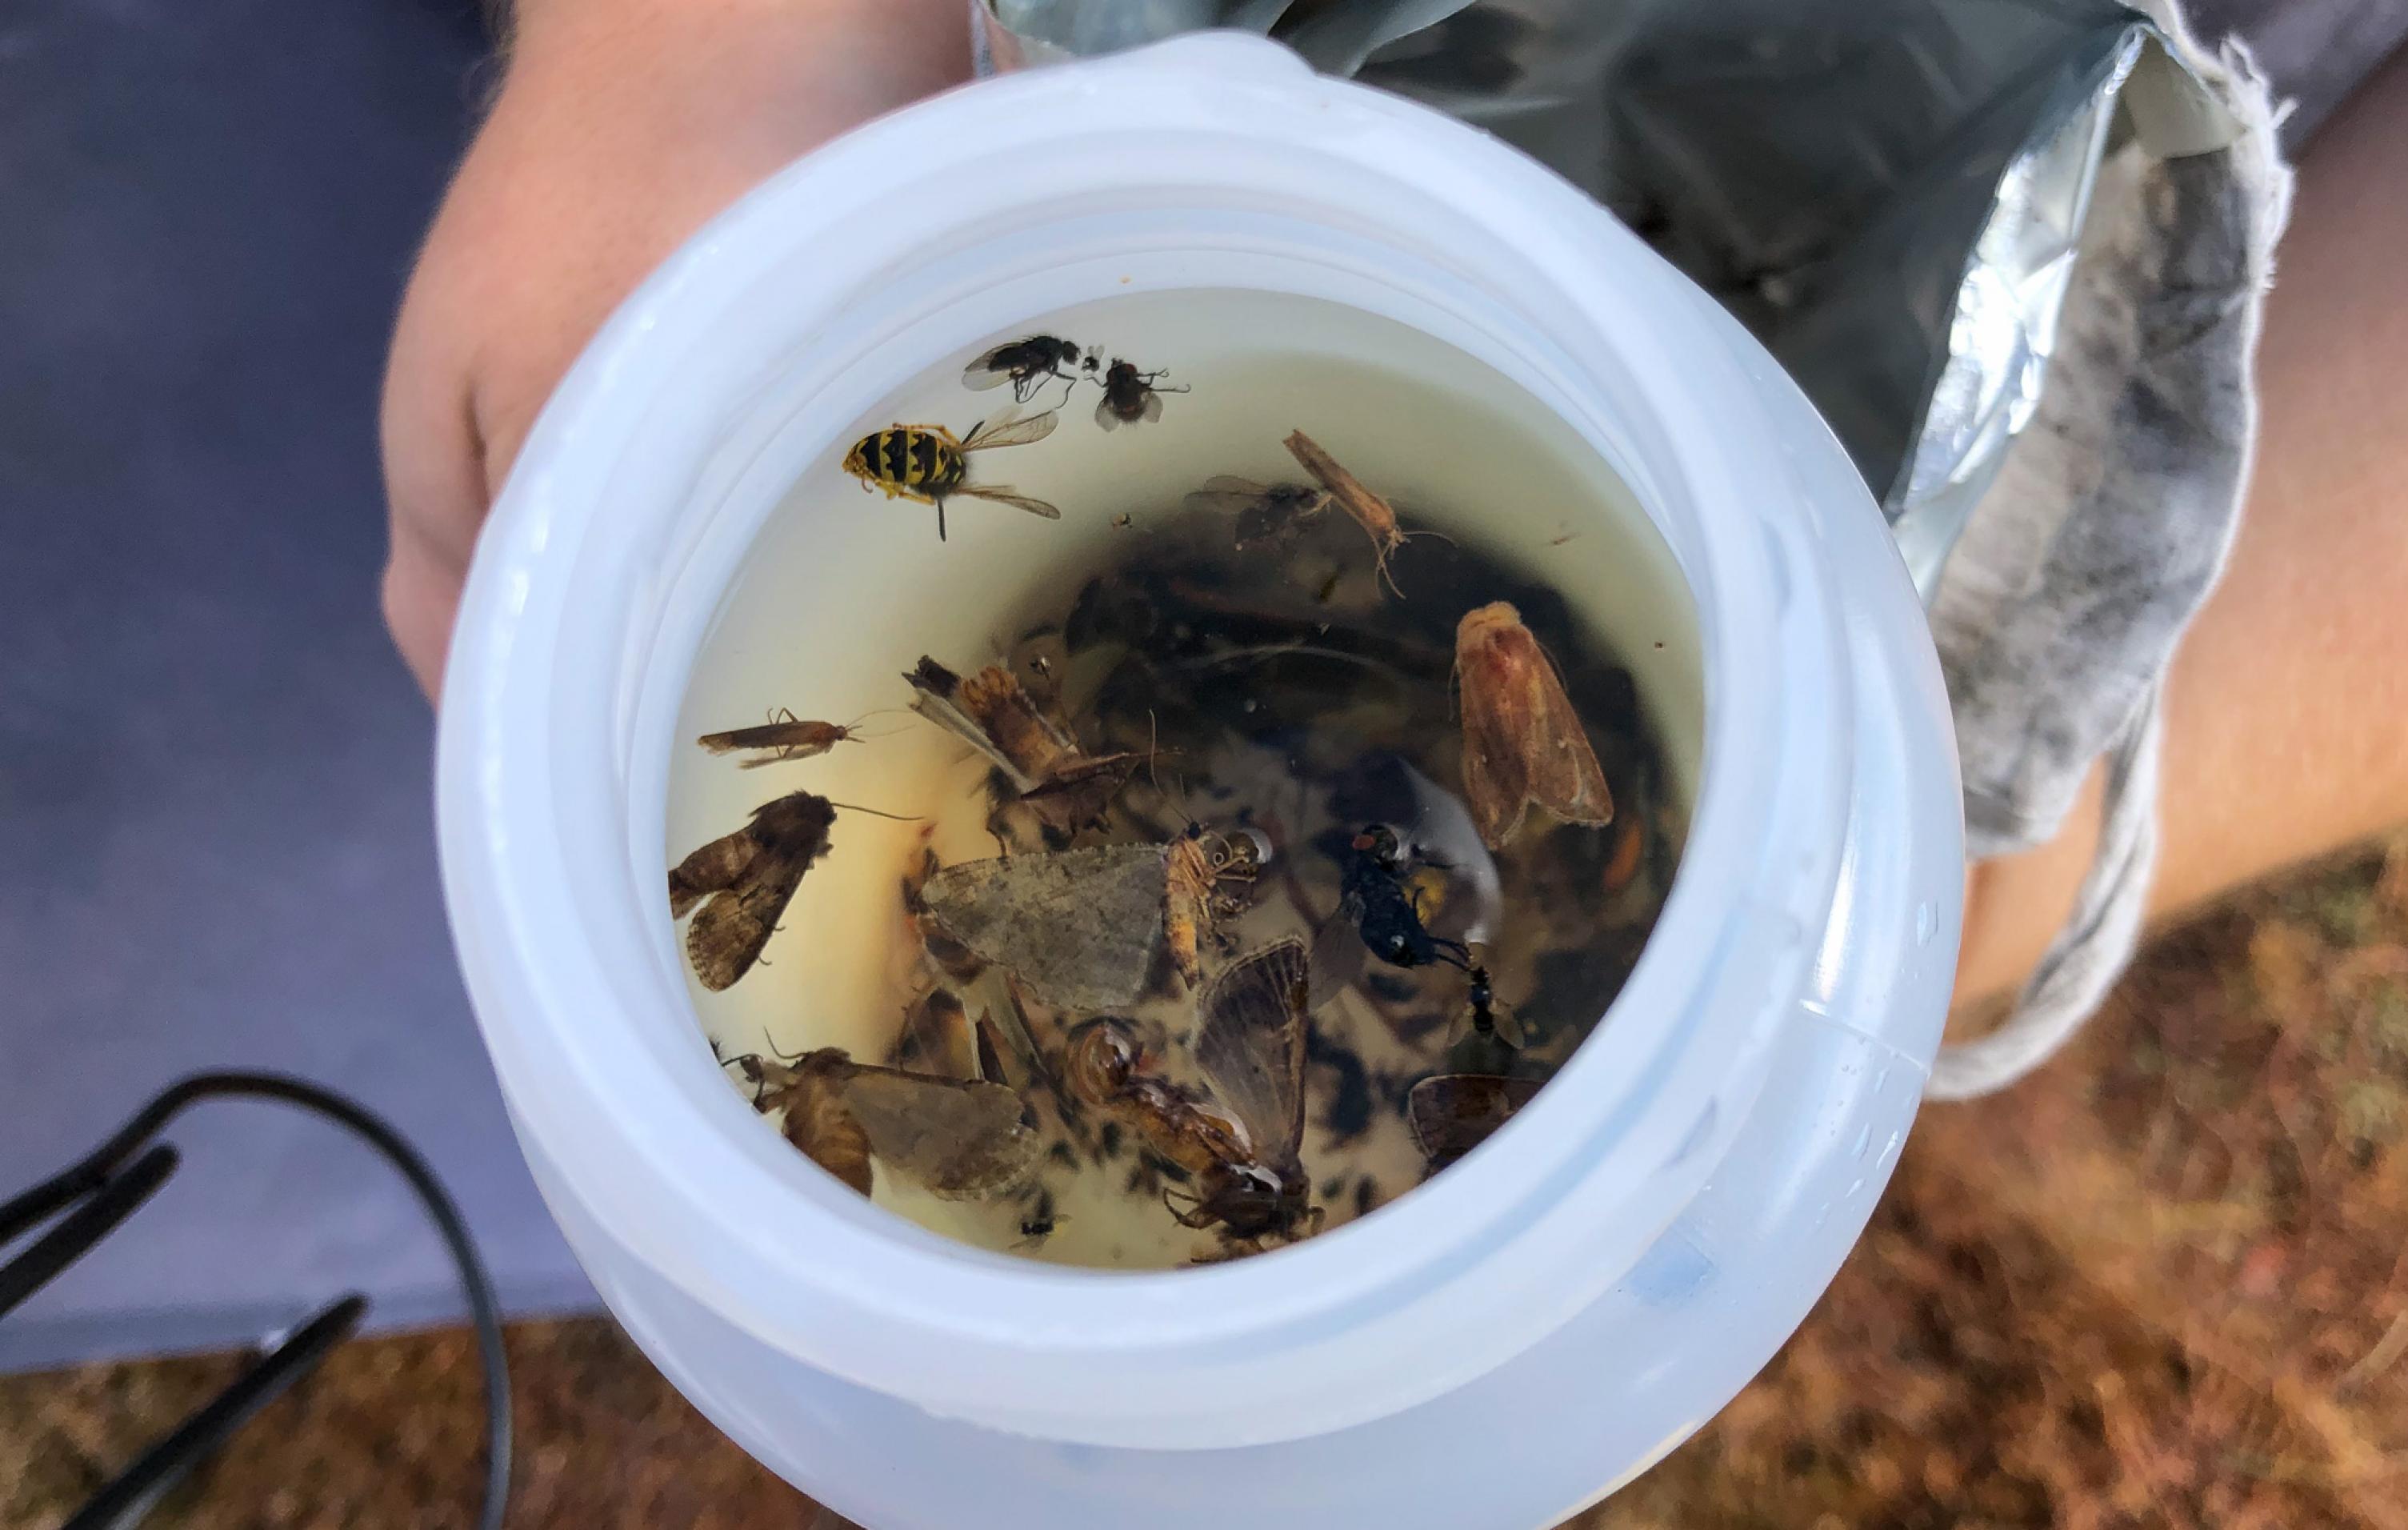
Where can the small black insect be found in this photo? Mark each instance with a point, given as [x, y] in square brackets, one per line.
[1040, 1221]
[1373, 898]
[1028, 364]
[1483, 1017]
[1130, 395]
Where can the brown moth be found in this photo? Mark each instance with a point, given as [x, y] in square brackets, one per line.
[1081, 928]
[962, 1138]
[1375, 515]
[1522, 745]
[1453, 1113]
[748, 879]
[1063, 786]
[784, 737]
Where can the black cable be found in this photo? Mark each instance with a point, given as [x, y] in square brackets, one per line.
[102, 1165]
[137, 1489]
[119, 1197]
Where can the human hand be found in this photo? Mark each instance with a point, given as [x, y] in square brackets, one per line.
[621, 127]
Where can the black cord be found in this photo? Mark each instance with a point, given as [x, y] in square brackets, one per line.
[99, 1168]
[119, 1197]
[134, 1491]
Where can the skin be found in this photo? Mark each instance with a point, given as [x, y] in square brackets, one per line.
[621, 125]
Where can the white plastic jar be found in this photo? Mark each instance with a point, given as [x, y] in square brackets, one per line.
[1498, 1349]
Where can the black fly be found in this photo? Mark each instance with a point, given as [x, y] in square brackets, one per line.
[1373, 898]
[1027, 365]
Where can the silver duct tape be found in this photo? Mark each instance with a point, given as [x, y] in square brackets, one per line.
[1889, 193]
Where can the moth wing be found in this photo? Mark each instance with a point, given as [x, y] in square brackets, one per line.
[1564, 776]
[1338, 951]
[1251, 1043]
[936, 1036]
[1496, 731]
[1510, 1028]
[962, 1138]
[1450, 1114]
[759, 736]
[714, 868]
[1077, 795]
[991, 370]
[1012, 430]
[1079, 927]
[1010, 496]
[729, 930]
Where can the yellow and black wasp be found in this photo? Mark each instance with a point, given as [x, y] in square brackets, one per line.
[930, 463]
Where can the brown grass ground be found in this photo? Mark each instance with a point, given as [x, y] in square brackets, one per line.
[2159, 1285]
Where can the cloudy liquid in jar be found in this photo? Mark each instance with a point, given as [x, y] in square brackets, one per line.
[1280, 690]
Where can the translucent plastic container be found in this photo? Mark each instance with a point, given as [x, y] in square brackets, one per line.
[1498, 1349]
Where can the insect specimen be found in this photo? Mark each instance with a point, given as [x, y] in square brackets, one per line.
[1241, 1147]
[1064, 787]
[1028, 364]
[1375, 515]
[1081, 928]
[1267, 513]
[962, 1138]
[930, 463]
[1453, 1113]
[1522, 745]
[1375, 902]
[1483, 1017]
[1130, 395]
[749, 877]
[785, 736]
[1250, 1045]
[1039, 1223]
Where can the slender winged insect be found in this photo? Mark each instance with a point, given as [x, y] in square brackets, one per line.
[784, 737]
[930, 463]
[1028, 364]
[1522, 743]
[1375, 515]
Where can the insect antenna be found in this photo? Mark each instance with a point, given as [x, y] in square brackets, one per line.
[771, 1042]
[898, 817]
